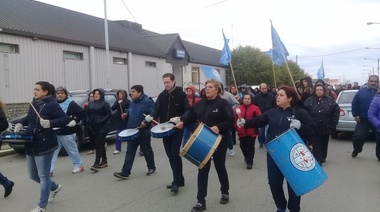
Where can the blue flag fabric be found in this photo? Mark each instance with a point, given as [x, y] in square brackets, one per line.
[226, 52]
[321, 72]
[279, 51]
[210, 73]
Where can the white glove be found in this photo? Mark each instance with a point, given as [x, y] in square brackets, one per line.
[72, 123]
[18, 127]
[120, 101]
[240, 122]
[296, 124]
[148, 118]
[175, 120]
[45, 123]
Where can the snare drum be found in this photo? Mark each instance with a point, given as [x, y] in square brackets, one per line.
[129, 134]
[162, 130]
[201, 146]
[15, 136]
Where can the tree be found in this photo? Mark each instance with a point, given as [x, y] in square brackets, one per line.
[252, 67]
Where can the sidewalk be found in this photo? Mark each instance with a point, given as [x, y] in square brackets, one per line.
[6, 150]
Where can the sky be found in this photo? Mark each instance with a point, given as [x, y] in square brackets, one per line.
[334, 31]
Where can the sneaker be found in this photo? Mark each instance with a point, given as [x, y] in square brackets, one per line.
[8, 190]
[38, 209]
[224, 199]
[78, 170]
[231, 152]
[151, 172]
[103, 164]
[116, 152]
[354, 153]
[95, 167]
[90, 152]
[121, 175]
[198, 207]
[54, 193]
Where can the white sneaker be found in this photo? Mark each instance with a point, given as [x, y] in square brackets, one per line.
[38, 209]
[231, 152]
[116, 152]
[78, 170]
[54, 193]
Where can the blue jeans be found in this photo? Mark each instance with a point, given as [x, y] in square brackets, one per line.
[144, 141]
[4, 181]
[68, 142]
[39, 171]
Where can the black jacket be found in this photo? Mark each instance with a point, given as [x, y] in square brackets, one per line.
[264, 101]
[75, 112]
[324, 113]
[44, 140]
[98, 115]
[121, 108]
[3, 121]
[170, 104]
[216, 112]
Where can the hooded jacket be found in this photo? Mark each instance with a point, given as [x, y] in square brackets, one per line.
[361, 101]
[98, 114]
[121, 108]
[137, 109]
[192, 98]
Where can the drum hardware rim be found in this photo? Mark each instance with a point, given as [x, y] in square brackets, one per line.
[211, 152]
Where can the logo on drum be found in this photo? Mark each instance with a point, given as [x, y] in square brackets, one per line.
[301, 157]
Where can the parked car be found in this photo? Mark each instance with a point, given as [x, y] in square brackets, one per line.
[17, 140]
[346, 122]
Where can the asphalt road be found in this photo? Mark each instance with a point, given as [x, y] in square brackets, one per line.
[353, 184]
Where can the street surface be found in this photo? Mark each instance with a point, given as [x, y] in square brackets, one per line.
[353, 184]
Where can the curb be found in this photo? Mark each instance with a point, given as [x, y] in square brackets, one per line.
[6, 152]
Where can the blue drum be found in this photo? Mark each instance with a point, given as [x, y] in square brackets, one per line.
[162, 130]
[129, 134]
[16, 136]
[201, 146]
[296, 162]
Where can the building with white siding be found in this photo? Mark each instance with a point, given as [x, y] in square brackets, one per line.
[39, 41]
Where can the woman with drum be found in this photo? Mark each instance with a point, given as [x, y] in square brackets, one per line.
[44, 114]
[140, 105]
[216, 113]
[324, 112]
[286, 115]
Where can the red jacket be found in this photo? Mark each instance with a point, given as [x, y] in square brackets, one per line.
[247, 112]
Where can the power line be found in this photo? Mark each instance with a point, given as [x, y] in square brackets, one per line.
[129, 11]
[215, 3]
[342, 52]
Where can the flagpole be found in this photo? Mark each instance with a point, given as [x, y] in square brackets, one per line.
[274, 75]
[233, 75]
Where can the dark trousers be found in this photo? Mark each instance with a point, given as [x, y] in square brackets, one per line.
[320, 146]
[172, 145]
[233, 133]
[219, 158]
[144, 140]
[360, 134]
[247, 146]
[378, 145]
[261, 136]
[100, 150]
[276, 180]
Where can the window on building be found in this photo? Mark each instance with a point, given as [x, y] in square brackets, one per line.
[72, 55]
[150, 64]
[9, 48]
[195, 75]
[119, 61]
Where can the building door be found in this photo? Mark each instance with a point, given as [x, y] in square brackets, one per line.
[178, 73]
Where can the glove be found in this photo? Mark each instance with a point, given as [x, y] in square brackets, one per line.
[18, 127]
[120, 101]
[295, 124]
[240, 122]
[175, 120]
[148, 118]
[72, 123]
[45, 123]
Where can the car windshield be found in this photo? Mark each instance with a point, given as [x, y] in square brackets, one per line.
[79, 99]
[346, 97]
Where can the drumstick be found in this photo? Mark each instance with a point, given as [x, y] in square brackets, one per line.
[238, 112]
[35, 110]
[162, 127]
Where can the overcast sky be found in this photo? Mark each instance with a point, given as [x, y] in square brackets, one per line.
[333, 30]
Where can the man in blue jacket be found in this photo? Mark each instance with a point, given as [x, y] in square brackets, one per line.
[360, 105]
[141, 104]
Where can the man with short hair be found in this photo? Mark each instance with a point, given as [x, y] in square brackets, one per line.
[265, 101]
[360, 105]
[171, 104]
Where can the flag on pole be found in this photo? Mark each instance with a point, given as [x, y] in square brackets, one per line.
[210, 73]
[321, 72]
[226, 52]
[279, 51]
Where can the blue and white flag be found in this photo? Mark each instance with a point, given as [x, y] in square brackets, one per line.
[226, 52]
[279, 51]
[321, 72]
[210, 73]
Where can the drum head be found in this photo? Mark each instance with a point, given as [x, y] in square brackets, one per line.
[128, 132]
[161, 128]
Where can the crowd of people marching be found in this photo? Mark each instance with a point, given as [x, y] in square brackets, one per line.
[232, 112]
